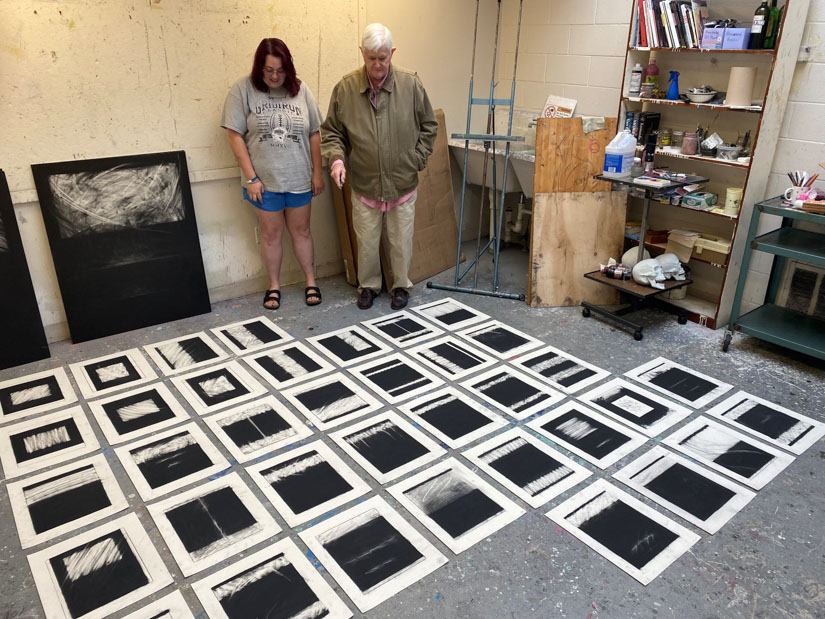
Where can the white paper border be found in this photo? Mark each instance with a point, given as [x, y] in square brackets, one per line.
[326, 366]
[359, 486]
[301, 430]
[66, 390]
[469, 335]
[658, 457]
[759, 480]
[382, 348]
[434, 450]
[360, 370]
[173, 603]
[660, 363]
[430, 332]
[138, 361]
[48, 589]
[286, 547]
[636, 439]
[578, 386]
[89, 444]
[816, 432]
[151, 350]
[496, 421]
[188, 565]
[579, 474]
[146, 492]
[20, 508]
[425, 310]
[486, 360]
[675, 414]
[372, 403]
[432, 558]
[553, 396]
[224, 339]
[255, 389]
[108, 428]
[510, 511]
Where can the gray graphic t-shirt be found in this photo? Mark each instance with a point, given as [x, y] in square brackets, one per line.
[276, 129]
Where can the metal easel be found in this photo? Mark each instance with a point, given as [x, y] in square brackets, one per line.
[488, 139]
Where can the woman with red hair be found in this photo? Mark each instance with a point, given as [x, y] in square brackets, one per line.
[273, 125]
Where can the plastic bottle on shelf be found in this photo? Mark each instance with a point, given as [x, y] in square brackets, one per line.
[650, 74]
[619, 154]
[635, 80]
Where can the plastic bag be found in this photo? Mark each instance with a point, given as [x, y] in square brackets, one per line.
[649, 272]
[671, 267]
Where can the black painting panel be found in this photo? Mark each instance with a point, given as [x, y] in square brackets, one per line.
[682, 383]
[161, 466]
[630, 534]
[23, 338]
[45, 440]
[310, 486]
[270, 590]
[208, 519]
[280, 373]
[586, 433]
[60, 505]
[128, 423]
[92, 372]
[386, 446]
[101, 581]
[372, 552]
[124, 240]
[694, 493]
[7, 395]
[453, 417]
[465, 512]
[525, 464]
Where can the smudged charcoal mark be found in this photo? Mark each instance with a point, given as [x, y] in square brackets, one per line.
[451, 358]
[185, 353]
[693, 492]
[288, 363]
[598, 441]
[306, 482]
[768, 421]
[633, 406]
[386, 446]
[452, 416]
[64, 498]
[137, 411]
[499, 339]
[256, 427]
[449, 314]
[171, 459]
[331, 401]
[30, 395]
[45, 440]
[559, 369]
[526, 466]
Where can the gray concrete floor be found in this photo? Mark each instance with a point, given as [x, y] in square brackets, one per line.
[767, 562]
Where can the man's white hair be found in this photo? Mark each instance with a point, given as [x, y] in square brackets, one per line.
[376, 36]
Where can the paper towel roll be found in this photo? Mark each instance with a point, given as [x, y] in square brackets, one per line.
[740, 86]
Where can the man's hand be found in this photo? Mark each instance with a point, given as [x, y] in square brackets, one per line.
[338, 173]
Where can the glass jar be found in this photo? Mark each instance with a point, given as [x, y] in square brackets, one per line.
[690, 143]
[677, 136]
[664, 138]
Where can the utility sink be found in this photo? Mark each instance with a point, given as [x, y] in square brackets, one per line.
[475, 167]
[524, 165]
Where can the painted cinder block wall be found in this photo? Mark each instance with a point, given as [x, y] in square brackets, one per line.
[576, 48]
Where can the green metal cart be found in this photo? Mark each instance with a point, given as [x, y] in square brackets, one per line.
[770, 322]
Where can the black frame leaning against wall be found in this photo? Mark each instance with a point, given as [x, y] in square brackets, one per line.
[24, 340]
[124, 240]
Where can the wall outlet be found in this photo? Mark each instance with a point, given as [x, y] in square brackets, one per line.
[257, 235]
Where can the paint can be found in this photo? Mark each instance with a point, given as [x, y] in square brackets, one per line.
[733, 200]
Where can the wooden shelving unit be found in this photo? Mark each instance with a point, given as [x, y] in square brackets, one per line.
[710, 298]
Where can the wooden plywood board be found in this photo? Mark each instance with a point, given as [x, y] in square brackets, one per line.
[435, 237]
[572, 233]
[567, 157]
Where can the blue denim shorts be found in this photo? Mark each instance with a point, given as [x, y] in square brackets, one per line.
[277, 201]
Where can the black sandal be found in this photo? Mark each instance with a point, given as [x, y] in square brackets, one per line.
[312, 292]
[272, 295]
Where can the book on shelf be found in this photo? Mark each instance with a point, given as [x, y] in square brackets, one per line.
[651, 181]
[670, 23]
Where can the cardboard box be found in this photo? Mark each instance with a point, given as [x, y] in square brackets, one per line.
[736, 38]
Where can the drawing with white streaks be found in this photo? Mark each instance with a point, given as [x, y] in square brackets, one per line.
[451, 357]
[43, 441]
[514, 393]
[628, 533]
[372, 552]
[349, 345]
[218, 387]
[124, 239]
[331, 400]
[452, 416]
[277, 583]
[564, 371]
[395, 377]
[251, 335]
[35, 393]
[212, 522]
[288, 365]
[402, 328]
[103, 375]
[679, 382]
[499, 339]
[185, 353]
[64, 499]
[450, 314]
[770, 422]
[526, 466]
[459, 507]
[98, 572]
[305, 483]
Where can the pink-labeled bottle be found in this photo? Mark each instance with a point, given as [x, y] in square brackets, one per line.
[650, 75]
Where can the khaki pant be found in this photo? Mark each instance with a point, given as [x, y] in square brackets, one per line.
[367, 223]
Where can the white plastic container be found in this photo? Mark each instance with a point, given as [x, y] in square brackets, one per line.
[619, 154]
[635, 81]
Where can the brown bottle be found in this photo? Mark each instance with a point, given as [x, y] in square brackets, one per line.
[760, 22]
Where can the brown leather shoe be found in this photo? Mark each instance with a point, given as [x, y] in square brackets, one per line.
[399, 299]
[365, 298]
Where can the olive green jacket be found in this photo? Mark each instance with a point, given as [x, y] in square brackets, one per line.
[383, 148]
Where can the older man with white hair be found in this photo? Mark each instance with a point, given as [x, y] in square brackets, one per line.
[380, 127]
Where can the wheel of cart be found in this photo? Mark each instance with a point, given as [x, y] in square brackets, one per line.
[726, 342]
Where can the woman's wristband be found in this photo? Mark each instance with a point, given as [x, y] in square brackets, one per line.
[253, 180]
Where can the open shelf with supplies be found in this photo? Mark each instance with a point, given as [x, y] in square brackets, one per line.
[709, 298]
